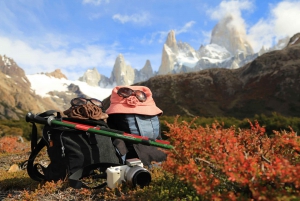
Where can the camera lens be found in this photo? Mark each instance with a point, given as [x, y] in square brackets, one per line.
[137, 175]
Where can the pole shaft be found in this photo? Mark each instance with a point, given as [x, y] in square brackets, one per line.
[111, 134]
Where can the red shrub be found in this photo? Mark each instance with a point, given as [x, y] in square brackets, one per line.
[11, 144]
[233, 163]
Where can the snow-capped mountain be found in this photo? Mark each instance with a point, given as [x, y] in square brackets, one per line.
[44, 86]
[228, 48]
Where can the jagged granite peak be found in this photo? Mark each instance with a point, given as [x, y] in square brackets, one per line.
[122, 73]
[11, 69]
[147, 69]
[227, 34]
[168, 59]
[145, 73]
[228, 48]
[281, 44]
[187, 50]
[177, 57]
[169, 52]
[262, 50]
[104, 82]
[171, 41]
[57, 74]
[91, 77]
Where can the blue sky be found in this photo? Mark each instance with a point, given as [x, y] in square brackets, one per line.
[76, 35]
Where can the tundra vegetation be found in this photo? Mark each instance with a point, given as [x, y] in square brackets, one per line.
[214, 159]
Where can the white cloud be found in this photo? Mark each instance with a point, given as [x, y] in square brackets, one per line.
[232, 7]
[75, 61]
[235, 9]
[94, 2]
[286, 18]
[159, 36]
[206, 35]
[185, 28]
[261, 34]
[142, 19]
[282, 21]
[93, 16]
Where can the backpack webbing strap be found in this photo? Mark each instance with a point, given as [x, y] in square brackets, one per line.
[33, 137]
[32, 169]
[36, 148]
[74, 179]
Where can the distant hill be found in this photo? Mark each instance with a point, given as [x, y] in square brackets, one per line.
[268, 84]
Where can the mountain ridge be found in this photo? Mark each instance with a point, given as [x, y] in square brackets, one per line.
[228, 48]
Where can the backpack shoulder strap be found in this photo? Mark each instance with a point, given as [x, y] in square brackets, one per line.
[32, 169]
[37, 147]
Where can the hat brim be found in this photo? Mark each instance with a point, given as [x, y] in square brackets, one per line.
[124, 108]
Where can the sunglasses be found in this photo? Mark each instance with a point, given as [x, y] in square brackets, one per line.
[126, 92]
[83, 101]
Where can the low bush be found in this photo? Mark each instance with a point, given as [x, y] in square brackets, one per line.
[275, 122]
[12, 144]
[231, 164]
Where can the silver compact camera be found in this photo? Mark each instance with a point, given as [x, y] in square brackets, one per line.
[132, 173]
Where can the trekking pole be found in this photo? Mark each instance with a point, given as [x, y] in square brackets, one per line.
[78, 125]
[98, 130]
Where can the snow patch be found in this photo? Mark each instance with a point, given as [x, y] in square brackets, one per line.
[293, 42]
[43, 84]
[24, 80]
[187, 61]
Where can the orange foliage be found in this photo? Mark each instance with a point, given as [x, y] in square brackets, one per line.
[11, 144]
[232, 163]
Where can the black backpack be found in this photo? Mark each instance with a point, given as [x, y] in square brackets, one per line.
[73, 153]
[147, 126]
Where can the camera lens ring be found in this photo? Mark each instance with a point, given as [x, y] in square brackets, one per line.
[138, 175]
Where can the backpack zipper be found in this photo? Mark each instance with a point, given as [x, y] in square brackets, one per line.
[62, 146]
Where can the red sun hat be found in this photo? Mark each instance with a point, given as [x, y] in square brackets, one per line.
[131, 104]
